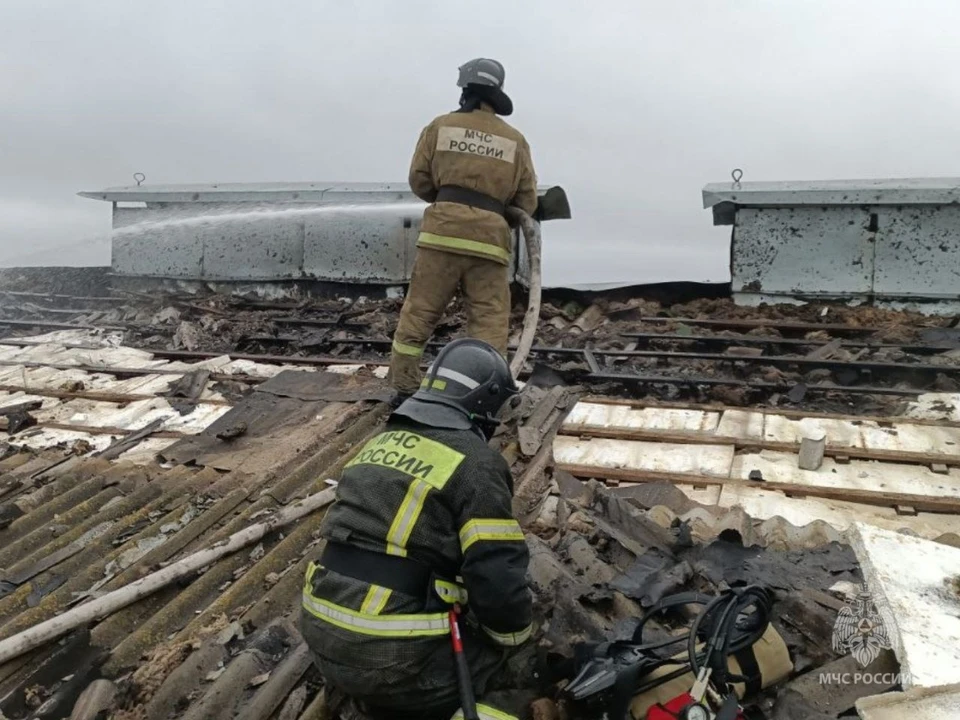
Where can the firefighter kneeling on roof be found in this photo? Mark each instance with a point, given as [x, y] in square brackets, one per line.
[422, 522]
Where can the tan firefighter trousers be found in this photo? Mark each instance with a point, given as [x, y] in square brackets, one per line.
[435, 279]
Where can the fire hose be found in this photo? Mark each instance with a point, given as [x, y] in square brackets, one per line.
[531, 235]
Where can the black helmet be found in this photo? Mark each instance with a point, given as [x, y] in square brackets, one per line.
[465, 387]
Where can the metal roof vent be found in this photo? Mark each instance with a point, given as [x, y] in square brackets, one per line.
[891, 242]
[346, 233]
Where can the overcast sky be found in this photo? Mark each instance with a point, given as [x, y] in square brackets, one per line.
[630, 105]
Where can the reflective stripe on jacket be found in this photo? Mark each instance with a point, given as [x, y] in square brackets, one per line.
[486, 712]
[441, 498]
[368, 620]
[479, 151]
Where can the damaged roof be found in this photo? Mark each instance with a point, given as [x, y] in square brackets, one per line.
[145, 430]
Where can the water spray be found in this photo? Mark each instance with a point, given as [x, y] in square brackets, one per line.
[263, 214]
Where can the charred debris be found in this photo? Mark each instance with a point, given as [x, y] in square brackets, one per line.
[663, 342]
[656, 450]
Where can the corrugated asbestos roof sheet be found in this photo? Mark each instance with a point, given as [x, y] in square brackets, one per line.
[97, 395]
[75, 524]
[899, 473]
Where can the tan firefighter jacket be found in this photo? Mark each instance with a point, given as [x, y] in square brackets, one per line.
[480, 152]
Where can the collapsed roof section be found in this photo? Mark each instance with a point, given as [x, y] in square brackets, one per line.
[149, 429]
[157, 462]
[362, 233]
[892, 242]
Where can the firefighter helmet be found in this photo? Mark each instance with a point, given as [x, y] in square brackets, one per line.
[465, 387]
[482, 71]
[487, 76]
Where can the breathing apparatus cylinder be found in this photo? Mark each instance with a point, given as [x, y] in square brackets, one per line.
[772, 662]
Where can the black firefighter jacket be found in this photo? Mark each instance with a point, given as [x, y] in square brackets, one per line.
[442, 498]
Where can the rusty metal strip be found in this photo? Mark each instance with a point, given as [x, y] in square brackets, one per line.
[70, 395]
[763, 323]
[58, 326]
[55, 296]
[755, 340]
[118, 398]
[924, 503]
[131, 372]
[98, 430]
[37, 310]
[637, 379]
[308, 360]
[275, 359]
[782, 360]
[435, 345]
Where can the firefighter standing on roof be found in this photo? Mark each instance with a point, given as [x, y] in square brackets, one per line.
[470, 165]
[423, 520]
